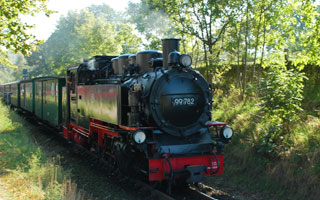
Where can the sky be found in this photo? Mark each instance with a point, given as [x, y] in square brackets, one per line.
[46, 25]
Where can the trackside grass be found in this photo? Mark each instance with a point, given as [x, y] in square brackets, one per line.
[286, 169]
[24, 169]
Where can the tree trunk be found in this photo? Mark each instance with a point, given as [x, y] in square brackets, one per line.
[196, 54]
[238, 57]
[246, 50]
[256, 46]
[206, 61]
[264, 43]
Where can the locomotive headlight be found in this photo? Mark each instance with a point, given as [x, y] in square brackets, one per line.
[185, 60]
[139, 137]
[227, 132]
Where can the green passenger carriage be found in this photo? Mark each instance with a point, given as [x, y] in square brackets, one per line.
[41, 97]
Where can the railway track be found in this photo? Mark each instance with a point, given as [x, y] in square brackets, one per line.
[200, 195]
[147, 192]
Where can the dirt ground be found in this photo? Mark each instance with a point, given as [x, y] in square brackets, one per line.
[4, 194]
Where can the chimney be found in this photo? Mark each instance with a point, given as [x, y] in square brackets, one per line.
[169, 45]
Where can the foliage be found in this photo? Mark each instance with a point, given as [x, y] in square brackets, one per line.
[81, 35]
[13, 32]
[306, 33]
[5, 74]
[205, 21]
[282, 95]
[241, 32]
[106, 12]
[21, 64]
[256, 162]
[12, 74]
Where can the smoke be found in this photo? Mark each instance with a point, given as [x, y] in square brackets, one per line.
[152, 25]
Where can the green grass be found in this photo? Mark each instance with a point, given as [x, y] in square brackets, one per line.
[24, 168]
[289, 169]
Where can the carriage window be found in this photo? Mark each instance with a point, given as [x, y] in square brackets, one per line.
[71, 81]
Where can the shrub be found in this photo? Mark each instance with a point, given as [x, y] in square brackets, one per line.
[282, 95]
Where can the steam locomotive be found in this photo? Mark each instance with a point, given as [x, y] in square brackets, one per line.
[149, 113]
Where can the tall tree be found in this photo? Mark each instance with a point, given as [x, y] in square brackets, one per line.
[13, 32]
[204, 19]
[83, 34]
[246, 41]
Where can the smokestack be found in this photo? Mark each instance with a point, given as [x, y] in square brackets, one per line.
[169, 45]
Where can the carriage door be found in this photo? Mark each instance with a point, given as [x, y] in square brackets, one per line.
[23, 95]
[73, 97]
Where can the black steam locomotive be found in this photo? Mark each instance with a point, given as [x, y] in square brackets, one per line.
[149, 113]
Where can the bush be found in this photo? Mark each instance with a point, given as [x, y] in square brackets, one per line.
[281, 94]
